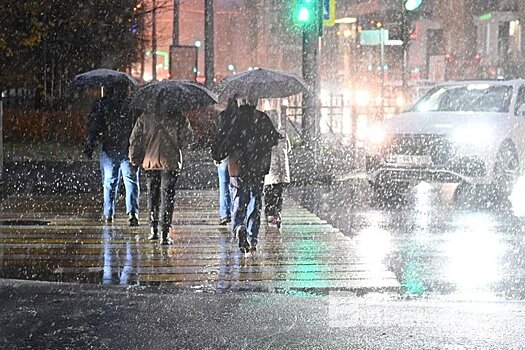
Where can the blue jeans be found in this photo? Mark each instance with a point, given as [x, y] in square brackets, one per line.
[247, 203]
[224, 190]
[113, 165]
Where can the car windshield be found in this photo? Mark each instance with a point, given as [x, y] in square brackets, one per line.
[466, 98]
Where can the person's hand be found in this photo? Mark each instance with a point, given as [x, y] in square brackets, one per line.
[88, 151]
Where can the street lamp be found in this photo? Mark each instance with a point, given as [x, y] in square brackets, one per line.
[198, 43]
[231, 67]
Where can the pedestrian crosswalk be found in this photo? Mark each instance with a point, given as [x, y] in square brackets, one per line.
[75, 246]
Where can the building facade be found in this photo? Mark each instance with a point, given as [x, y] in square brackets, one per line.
[449, 39]
[232, 49]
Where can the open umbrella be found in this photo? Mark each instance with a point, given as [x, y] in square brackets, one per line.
[261, 83]
[172, 95]
[102, 77]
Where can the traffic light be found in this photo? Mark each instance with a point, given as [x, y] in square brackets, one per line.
[412, 12]
[305, 13]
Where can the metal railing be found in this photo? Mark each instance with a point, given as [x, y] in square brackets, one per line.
[1, 140]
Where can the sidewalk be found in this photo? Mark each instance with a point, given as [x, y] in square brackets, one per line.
[308, 255]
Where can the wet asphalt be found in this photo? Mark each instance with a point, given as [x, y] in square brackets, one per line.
[438, 242]
[422, 271]
[41, 315]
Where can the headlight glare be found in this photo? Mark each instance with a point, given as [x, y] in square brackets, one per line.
[475, 134]
[376, 134]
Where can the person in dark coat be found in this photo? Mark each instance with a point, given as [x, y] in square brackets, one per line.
[247, 140]
[156, 143]
[224, 119]
[110, 124]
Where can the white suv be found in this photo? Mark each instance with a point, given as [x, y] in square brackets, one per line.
[470, 132]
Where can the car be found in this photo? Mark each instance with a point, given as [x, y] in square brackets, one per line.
[466, 132]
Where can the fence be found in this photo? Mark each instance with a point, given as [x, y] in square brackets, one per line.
[336, 124]
[1, 140]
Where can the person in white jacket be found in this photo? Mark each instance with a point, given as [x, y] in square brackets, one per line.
[279, 175]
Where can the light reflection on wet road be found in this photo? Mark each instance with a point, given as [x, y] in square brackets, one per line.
[308, 255]
[434, 245]
[424, 245]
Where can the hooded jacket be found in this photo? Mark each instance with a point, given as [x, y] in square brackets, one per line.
[110, 123]
[251, 138]
[157, 141]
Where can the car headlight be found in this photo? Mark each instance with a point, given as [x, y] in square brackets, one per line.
[472, 134]
[376, 134]
[362, 98]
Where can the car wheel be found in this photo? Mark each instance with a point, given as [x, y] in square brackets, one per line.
[469, 195]
[505, 171]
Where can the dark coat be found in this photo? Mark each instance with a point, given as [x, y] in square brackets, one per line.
[110, 123]
[247, 138]
[220, 147]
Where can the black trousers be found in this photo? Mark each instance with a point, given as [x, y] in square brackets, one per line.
[161, 196]
[273, 199]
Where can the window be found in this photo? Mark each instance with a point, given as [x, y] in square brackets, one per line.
[520, 102]
[466, 98]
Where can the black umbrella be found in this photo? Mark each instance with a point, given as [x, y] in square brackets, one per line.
[172, 95]
[102, 77]
[261, 83]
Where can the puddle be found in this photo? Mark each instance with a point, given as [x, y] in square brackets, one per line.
[24, 222]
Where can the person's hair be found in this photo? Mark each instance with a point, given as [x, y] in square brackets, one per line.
[232, 102]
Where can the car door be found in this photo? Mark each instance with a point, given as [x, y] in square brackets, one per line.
[518, 132]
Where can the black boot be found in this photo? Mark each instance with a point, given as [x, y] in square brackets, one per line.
[165, 240]
[242, 236]
[154, 233]
[133, 220]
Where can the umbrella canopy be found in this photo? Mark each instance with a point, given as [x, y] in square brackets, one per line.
[172, 95]
[102, 77]
[261, 83]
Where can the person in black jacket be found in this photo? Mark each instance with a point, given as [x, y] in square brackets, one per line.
[110, 124]
[247, 139]
[224, 119]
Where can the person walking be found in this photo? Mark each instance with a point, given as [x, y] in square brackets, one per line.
[224, 192]
[279, 175]
[156, 143]
[110, 124]
[224, 120]
[248, 143]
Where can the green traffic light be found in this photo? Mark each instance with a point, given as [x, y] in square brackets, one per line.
[412, 5]
[304, 13]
